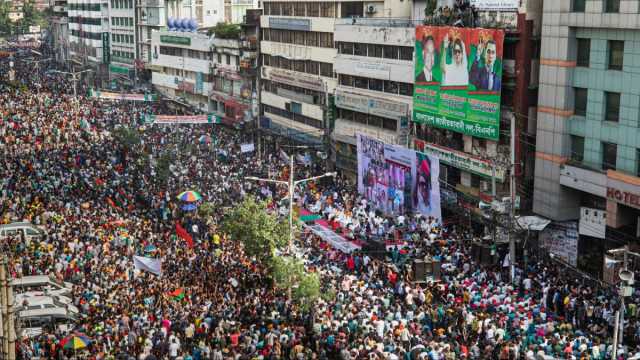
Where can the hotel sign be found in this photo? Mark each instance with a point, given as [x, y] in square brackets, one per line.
[461, 160]
[623, 197]
[290, 24]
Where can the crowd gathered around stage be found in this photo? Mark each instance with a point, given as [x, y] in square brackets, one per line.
[100, 202]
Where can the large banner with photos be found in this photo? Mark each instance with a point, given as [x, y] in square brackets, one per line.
[397, 180]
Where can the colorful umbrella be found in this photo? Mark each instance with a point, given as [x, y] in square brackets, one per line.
[189, 196]
[75, 341]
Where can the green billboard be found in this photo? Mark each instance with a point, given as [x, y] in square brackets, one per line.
[458, 79]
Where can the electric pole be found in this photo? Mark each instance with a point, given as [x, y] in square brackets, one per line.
[6, 301]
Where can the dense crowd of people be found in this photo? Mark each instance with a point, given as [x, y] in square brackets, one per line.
[67, 168]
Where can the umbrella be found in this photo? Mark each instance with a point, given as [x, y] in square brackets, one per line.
[189, 196]
[150, 248]
[189, 207]
[75, 341]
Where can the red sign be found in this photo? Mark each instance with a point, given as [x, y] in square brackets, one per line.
[624, 197]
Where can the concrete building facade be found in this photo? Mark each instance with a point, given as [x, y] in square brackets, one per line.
[588, 136]
[183, 60]
[374, 94]
[122, 39]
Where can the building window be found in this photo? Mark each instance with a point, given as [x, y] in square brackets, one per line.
[346, 48]
[616, 54]
[611, 6]
[346, 80]
[577, 148]
[360, 49]
[638, 162]
[360, 82]
[580, 101]
[391, 52]
[374, 50]
[612, 106]
[375, 84]
[609, 155]
[578, 5]
[583, 53]
[406, 89]
[390, 124]
[406, 53]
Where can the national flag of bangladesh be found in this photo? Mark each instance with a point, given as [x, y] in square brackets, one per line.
[177, 294]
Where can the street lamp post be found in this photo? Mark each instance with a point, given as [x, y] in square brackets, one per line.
[291, 185]
[75, 79]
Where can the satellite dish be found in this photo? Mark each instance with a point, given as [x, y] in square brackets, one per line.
[626, 275]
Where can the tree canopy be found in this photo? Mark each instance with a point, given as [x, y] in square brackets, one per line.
[261, 233]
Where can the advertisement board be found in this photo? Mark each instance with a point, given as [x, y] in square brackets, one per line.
[458, 79]
[397, 180]
[462, 160]
[561, 239]
[593, 222]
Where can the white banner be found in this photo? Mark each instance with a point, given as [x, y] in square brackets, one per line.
[397, 180]
[593, 222]
[151, 265]
[245, 148]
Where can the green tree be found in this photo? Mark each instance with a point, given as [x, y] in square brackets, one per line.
[5, 23]
[128, 138]
[261, 233]
[226, 31]
[290, 274]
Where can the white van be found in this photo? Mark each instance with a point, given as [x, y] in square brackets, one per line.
[25, 303]
[45, 283]
[30, 231]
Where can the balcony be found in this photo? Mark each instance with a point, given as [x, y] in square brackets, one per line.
[249, 43]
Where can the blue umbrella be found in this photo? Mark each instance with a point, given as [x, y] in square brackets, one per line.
[150, 248]
[189, 207]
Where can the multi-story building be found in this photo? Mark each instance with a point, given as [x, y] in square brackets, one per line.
[297, 52]
[60, 31]
[122, 41]
[183, 60]
[234, 10]
[588, 140]
[233, 96]
[374, 67]
[152, 15]
[470, 165]
[89, 35]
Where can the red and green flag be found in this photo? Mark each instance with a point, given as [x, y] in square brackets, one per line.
[177, 294]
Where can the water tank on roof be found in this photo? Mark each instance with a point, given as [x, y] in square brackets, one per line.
[171, 23]
[193, 25]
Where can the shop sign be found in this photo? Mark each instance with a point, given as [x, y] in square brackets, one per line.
[495, 4]
[176, 40]
[461, 160]
[371, 69]
[290, 24]
[370, 105]
[186, 86]
[105, 48]
[593, 222]
[623, 197]
[289, 78]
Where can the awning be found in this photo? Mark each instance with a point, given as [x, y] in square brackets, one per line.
[534, 222]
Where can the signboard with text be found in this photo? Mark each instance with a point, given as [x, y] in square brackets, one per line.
[458, 79]
[461, 160]
[176, 40]
[290, 23]
[495, 4]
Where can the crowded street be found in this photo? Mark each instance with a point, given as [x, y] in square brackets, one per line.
[101, 201]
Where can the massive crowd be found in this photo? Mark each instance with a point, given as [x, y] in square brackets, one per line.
[101, 202]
